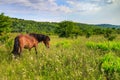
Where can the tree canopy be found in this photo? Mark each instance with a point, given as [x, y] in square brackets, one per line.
[5, 24]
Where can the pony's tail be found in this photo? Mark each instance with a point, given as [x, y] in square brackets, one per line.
[16, 46]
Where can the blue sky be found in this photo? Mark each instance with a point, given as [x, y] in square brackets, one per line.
[84, 11]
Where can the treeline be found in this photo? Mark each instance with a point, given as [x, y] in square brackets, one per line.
[29, 26]
[62, 29]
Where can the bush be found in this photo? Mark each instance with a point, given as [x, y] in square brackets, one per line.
[88, 34]
[66, 28]
[110, 64]
[114, 46]
[109, 35]
[5, 24]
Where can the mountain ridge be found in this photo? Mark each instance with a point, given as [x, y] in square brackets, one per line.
[108, 25]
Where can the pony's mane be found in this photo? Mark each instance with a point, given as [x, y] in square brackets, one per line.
[39, 37]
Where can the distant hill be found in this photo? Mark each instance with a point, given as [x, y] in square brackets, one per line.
[108, 25]
[30, 26]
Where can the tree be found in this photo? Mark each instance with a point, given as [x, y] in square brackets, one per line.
[65, 28]
[5, 27]
[109, 34]
[5, 24]
[88, 34]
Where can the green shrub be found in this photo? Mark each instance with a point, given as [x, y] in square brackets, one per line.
[104, 45]
[110, 64]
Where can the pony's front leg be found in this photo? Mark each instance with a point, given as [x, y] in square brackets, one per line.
[36, 50]
[29, 50]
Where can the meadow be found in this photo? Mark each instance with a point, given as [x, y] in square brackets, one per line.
[83, 58]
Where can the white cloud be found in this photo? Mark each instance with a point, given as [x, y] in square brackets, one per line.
[92, 11]
[41, 5]
[24, 2]
[52, 6]
[78, 6]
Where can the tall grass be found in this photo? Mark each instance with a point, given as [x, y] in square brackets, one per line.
[67, 59]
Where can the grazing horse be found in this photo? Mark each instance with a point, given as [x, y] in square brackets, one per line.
[29, 41]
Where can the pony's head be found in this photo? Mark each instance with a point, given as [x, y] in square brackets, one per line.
[46, 41]
[40, 37]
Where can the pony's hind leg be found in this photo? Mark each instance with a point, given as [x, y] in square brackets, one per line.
[16, 54]
[20, 51]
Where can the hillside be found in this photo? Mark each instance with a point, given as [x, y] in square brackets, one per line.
[88, 52]
[30, 26]
[108, 26]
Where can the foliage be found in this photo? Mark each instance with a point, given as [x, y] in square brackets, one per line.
[65, 28]
[104, 45]
[5, 24]
[5, 27]
[109, 34]
[29, 26]
[88, 34]
[110, 63]
[118, 31]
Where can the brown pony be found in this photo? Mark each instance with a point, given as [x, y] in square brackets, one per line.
[29, 41]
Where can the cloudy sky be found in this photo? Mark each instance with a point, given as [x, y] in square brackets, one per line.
[84, 11]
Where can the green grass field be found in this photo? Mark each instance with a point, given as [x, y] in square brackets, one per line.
[66, 59]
